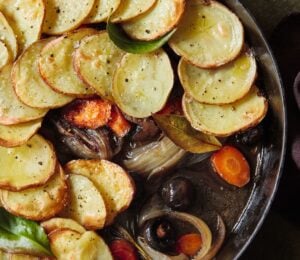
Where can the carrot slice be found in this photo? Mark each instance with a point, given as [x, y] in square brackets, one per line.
[117, 123]
[88, 113]
[189, 244]
[122, 250]
[231, 165]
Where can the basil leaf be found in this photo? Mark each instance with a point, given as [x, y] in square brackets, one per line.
[19, 235]
[179, 130]
[121, 40]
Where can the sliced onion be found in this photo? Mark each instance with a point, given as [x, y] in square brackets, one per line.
[156, 254]
[154, 158]
[217, 243]
[202, 228]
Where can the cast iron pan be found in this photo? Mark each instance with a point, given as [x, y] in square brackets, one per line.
[270, 157]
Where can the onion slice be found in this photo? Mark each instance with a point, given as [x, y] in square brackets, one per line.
[156, 254]
[159, 157]
[217, 242]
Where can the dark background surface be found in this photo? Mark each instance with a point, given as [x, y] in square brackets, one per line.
[279, 237]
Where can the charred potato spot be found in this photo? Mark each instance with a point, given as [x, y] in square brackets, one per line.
[88, 113]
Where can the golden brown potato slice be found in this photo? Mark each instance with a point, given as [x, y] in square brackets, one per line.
[56, 64]
[62, 223]
[91, 246]
[26, 19]
[114, 184]
[209, 35]
[4, 55]
[95, 62]
[38, 203]
[225, 120]
[65, 15]
[101, 10]
[28, 83]
[156, 22]
[223, 85]
[15, 135]
[63, 243]
[142, 83]
[86, 204]
[69, 244]
[28, 165]
[12, 111]
[129, 9]
[8, 36]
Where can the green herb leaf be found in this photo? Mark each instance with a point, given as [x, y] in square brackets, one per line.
[179, 130]
[121, 39]
[22, 236]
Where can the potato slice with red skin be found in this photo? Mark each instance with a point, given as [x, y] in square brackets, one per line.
[86, 205]
[29, 165]
[156, 22]
[38, 203]
[115, 185]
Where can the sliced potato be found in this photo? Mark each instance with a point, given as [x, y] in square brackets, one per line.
[12, 111]
[4, 55]
[224, 120]
[95, 61]
[156, 22]
[101, 10]
[65, 15]
[142, 83]
[63, 243]
[26, 19]
[15, 135]
[11, 256]
[86, 204]
[114, 184]
[223, 85]
[56, 65]
[91, 246]
[62, 223]
[8, 36]
[28, 165]
[129, 9]
[28, 83]
[209, 35]
[69, 244]
[38, 203]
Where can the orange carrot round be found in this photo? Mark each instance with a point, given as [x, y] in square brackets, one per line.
[231, 165]
[189, 244]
